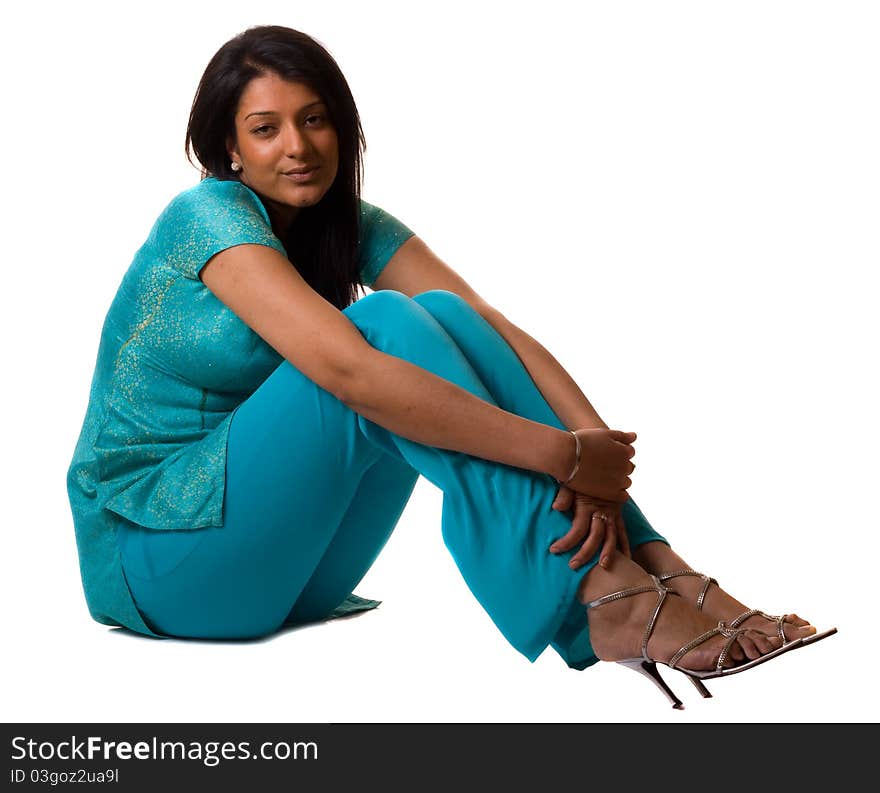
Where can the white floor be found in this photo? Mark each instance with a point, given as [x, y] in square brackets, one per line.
[427, 654]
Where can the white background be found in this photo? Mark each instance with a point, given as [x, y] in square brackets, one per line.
[678, 199]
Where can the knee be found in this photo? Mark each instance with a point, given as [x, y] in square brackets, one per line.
[442, 299]
[426, 313]
[399, 325]
[381, 303]
[386, 309]
[450, 310]
[387, 301]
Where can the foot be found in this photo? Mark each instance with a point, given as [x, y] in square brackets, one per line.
[617, 628]
[658, 558]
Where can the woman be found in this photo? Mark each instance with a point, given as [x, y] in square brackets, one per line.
[254, 430]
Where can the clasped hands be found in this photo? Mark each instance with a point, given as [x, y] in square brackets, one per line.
[596, 496]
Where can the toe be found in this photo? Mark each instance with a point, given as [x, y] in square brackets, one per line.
[748, 643]
[801, 633]
[796, 628]
[736, 654]
[764, 643]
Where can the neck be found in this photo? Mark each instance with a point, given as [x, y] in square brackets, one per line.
[281, 216]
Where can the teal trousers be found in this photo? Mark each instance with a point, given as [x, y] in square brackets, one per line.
[314, 490]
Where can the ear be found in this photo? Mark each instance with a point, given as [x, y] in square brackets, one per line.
[232, 150]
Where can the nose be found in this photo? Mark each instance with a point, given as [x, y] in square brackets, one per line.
[294, 142]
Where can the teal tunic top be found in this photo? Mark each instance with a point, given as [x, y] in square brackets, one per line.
[173, 364]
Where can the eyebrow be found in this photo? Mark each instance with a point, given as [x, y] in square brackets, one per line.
[275, 113]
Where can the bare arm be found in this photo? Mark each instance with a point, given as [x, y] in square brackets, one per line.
[415, 268]
[262, 288]
[561, 392]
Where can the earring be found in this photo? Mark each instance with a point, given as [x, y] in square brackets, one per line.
[236, 166]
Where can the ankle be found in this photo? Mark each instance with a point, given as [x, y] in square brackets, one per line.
[617, 625]
[658, 557]
[621, 573]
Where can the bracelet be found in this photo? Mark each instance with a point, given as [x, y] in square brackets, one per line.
[577, 462]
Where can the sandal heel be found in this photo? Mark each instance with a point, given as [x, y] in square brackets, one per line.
[698, 684]
[649, 670]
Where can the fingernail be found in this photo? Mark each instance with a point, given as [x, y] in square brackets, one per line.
[572, 563]
[554, 547]
[604, 561]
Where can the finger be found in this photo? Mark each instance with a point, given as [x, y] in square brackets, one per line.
[580, 527]
[593, 541]
[564, 499]
[623, 437]
[619, 497]
[569, 540]
[614, 492]
[587, 550]
[609, 546]
[623, 538]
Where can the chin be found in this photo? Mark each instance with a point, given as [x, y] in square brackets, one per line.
[305, 197]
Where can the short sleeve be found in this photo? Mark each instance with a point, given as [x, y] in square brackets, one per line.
[208, 218]
[381, 235]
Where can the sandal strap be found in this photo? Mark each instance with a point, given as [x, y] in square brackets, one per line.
[722, 629]
[707, 581]
[657, 587]
[625, 593]
[779, 620]
[732, 636]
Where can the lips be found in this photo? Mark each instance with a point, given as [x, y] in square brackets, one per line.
[301, 176]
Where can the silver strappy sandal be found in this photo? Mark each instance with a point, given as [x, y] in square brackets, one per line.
[779, 620]
[648, 666]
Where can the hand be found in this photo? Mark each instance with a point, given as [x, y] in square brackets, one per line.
[605, 463]
[590, 529]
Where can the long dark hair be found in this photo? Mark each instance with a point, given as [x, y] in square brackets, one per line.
[322, 242]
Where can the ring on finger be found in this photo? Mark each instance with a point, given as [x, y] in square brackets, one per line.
[600, 516]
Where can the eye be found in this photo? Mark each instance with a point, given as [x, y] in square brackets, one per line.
[262, 130]
[316, 118]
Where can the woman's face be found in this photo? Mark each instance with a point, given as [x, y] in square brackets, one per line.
[282, 127]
